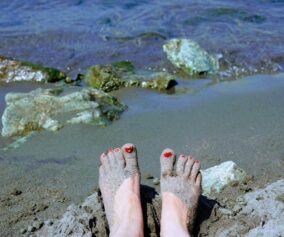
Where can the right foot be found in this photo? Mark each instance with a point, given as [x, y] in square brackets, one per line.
[119, 182]
[180, 188]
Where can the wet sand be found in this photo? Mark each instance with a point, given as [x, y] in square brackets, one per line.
[240, 121]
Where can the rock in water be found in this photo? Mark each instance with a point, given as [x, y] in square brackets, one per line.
[104, 77]
[218, 177]
[46, 110]
[12, 70]
[121, 74]
[190, 57]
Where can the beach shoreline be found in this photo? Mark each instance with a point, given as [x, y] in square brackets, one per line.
[239, 121]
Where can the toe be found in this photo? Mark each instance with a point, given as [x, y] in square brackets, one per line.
[111, 158]
[167, 162]
[180, 164]
[104, 161]
[130, 157]
[195, 170]
[198, 180]
[119, 157]
[188, 166]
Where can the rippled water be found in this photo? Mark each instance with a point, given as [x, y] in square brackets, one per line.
[72, 35]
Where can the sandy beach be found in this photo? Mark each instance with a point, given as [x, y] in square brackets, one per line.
[240, 121]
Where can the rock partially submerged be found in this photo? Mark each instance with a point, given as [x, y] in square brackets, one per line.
[12, 71]
[89, 219]
[218, 177]
[46, 110]
[121, 74]
[190, 57]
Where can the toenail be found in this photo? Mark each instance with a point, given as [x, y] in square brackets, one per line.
[117, 150]
[104, 154]
[168, 154]
[109, 149]
[190, 157]
[129, 149]
[182, 156]
[197, 161]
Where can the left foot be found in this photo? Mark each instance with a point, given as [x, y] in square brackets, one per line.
[119, 181]
[180, 188]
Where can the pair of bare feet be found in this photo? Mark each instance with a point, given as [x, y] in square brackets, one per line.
[119, 182]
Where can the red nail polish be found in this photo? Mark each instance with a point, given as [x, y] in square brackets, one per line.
[129, 149]
[197, 161]
[168, 154]
[117, 150]
[190, 157]
[109, 149]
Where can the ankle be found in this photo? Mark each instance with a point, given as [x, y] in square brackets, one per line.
[174, 216]
[128, 218]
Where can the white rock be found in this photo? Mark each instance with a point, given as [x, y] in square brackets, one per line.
[188, 55]
[217, 177]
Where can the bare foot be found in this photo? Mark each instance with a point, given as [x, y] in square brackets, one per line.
[119, 182]
[180, 188]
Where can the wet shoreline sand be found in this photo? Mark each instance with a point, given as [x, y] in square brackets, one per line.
[240, 121]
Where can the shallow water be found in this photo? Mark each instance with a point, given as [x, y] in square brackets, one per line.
[72, 35]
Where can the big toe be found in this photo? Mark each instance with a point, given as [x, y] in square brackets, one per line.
[130, 155]
[167, 160]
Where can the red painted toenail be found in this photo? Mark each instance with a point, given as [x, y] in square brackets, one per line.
[129, 149]
[117, 150]
[168, 154]
[109, 149]
[190, 157]
[197, 161]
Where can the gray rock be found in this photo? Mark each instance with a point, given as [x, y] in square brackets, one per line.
[259, 217]
[12, 70]
[190, 57]
[79, 220]
[47, 110]
[109, 78]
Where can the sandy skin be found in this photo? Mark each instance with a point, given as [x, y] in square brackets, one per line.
[120, 186]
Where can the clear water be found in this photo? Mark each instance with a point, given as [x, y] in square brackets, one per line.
[72, 35]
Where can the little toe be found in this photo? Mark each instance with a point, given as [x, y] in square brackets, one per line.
[130, 156]
[188, 166]
[167, 160]
[181, 164]
[195, 170]
[198, 180]
[119, 157]
[104, 160]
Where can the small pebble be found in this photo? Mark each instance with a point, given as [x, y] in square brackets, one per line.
[49, 222]
[148, 176]
[156, 181]
[23, 231]
[16, 192]
[31, 228]
[37, 224]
